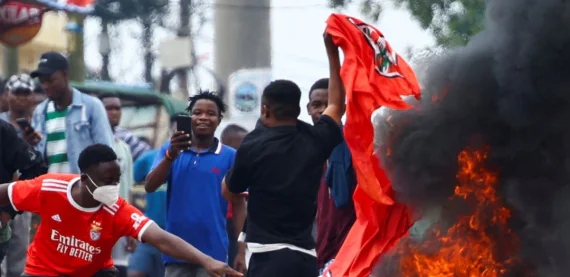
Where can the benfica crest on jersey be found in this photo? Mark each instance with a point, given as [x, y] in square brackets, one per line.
[95, 232]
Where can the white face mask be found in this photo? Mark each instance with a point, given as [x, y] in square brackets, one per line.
[108, 194]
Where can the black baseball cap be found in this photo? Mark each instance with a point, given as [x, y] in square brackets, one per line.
[50, 62]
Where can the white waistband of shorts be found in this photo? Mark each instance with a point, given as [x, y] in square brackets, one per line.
[261, 248]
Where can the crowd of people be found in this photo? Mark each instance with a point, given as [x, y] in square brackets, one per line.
[251, 201]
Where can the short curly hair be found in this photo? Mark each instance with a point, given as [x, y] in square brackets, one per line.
[207, 95]
[95, 154]
[283, 98]
[319, 84]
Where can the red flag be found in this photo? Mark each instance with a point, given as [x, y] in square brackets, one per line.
[373, 76]
[80, 3]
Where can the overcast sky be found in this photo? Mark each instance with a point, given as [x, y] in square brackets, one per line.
[301, 59]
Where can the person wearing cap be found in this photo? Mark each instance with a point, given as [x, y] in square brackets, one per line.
[18, 90]
[39, 95]
[18, 93]
[68, 121]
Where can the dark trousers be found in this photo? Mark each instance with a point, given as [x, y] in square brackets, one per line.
[232, 248]
[282, 263]
[101, 273]
[122, 271]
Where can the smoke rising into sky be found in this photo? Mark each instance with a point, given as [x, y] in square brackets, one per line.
[509, 89]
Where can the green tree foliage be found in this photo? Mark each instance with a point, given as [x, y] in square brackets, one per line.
[452, 22]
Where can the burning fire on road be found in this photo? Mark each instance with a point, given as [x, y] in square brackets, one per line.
[479, 244]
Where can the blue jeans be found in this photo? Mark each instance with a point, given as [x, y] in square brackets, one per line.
[3, 250]
[147, 259]
[19, 242]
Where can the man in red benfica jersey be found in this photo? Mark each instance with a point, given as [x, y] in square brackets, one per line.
[83, 216]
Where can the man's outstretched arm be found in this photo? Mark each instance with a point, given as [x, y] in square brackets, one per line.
[177, 248]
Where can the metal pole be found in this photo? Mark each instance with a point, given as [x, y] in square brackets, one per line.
[76, 48]
[10, 66]
[185, 30]
[242, 36]
[105, 50]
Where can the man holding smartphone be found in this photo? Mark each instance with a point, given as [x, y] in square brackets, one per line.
[20, 98]
[193, 164]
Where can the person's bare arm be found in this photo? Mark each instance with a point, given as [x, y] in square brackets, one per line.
[239, 206]
[337, 95]
[158, 175]
[33, 138]
[177, 248]
[4, 198]
[239, 261]
[236, 183]
[5, 217]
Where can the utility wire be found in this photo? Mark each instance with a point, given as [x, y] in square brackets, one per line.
[264, 7]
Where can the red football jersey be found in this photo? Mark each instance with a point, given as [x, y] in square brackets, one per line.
[72, 240]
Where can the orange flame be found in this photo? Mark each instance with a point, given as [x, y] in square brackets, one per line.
[438, 96]
[479, 245]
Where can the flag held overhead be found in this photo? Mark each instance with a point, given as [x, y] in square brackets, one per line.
[374, 76]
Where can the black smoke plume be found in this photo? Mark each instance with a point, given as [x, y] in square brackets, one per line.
[509, 89]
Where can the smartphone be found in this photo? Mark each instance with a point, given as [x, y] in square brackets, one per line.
[23, 123]
[184, 123]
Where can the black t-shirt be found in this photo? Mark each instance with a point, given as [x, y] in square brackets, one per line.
[282, 168]
[16, 154]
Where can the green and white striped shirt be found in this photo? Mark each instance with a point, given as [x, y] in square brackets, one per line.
[56, 149]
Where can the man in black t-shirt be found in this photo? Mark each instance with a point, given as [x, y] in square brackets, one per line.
[281, 163]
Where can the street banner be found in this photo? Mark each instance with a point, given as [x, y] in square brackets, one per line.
[245, 89]
[19, 22]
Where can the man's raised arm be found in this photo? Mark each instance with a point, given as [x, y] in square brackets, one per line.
[337, 95]
[164, 160]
